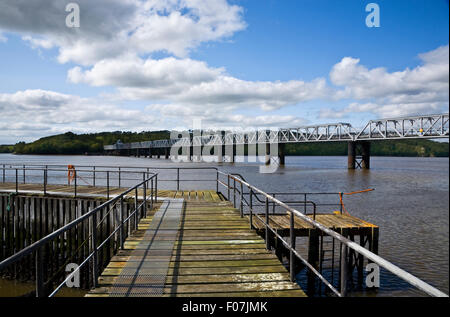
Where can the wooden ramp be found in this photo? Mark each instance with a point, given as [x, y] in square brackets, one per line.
[215, 254]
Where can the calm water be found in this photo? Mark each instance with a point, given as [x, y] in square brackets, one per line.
[410, 202]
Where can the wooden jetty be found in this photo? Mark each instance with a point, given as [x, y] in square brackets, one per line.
[215, 254]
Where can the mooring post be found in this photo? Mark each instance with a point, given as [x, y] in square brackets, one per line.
[313, 258]
[267, 154]
[344, 270]
[40, 292]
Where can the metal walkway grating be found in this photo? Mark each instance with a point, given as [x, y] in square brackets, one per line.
[144, 275]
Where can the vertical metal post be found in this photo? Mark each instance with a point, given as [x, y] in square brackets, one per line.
[107, 185]
[45, 182]
[304, 204]
[17, 180]
[151, 192]
[234, 192]
[121, 231]
[145, 200]
[93, 177]
[156, 188]
[251, 208]
[119, 177]
[228, 186]
[4, 173]
[344, 269]
[217, 181]
[93, 226]
[178, 179]
[241, 207]
[267, 224]
[40, 272]
[273, 206]
[75, 179]
[136, 212]
[291, 251]
[24, 174]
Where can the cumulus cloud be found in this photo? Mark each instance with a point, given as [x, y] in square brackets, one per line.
[112, 28]
[423, 89]
[25, 112]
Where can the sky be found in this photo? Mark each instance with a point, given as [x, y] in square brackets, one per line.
[142, 65]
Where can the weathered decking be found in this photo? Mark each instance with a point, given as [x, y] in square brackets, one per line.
[215, 254]
[342, 223]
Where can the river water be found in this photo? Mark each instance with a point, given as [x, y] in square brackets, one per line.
[410, 203]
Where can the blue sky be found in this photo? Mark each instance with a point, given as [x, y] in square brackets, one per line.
[236, 63]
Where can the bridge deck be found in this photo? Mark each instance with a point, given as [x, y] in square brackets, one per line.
[214, 254]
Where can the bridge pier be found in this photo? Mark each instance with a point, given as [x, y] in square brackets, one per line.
[281, 153]
[166, 152]
[358, 155]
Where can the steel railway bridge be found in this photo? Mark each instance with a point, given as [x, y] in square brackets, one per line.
[271, 143]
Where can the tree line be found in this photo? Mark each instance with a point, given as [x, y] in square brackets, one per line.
[76, 144]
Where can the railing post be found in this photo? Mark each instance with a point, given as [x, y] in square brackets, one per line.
[241, 207]
[119, 177]
[156, 188]
[273, 206]
[24, 174]
[93, 176]
[291, 251]
[217, 181]
[344, 270]
[121, 231]
[178, 179]
[45, 182]
[267, 224]
[136, 212]
[151, 192]
[107, 185]
[17, 180]
[40, 292]
[251, 208]
[93, 233]
[145, 200]
[75, 179]
[228, 187]
[234, 192]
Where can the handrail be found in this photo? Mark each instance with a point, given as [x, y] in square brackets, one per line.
[411, 279]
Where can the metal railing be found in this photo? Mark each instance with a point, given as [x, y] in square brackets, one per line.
[109, 177]
[236, 184]
[124, 224]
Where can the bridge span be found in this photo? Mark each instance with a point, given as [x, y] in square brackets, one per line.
[271, 143]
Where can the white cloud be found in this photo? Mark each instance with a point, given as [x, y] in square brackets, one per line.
[423, 89]
[112, 28]
[3, 39]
